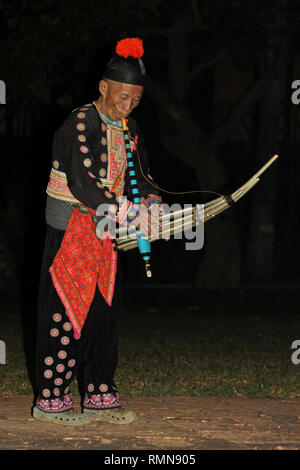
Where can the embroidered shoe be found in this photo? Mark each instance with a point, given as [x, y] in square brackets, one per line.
[112, 415]
[68, 418]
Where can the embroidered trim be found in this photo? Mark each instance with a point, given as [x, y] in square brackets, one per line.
[102, 401]
[56, 405]
[115, 157]
[58, 187]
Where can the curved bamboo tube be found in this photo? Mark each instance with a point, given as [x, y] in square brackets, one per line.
[186, 218]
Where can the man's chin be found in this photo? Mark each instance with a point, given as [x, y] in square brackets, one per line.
[120, 116]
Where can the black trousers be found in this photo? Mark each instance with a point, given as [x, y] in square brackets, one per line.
[58, 352]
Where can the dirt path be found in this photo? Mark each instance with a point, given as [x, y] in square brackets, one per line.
[164, 423]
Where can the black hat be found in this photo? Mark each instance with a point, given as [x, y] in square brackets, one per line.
[127, 66]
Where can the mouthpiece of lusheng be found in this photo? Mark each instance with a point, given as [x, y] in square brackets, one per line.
[148, 270]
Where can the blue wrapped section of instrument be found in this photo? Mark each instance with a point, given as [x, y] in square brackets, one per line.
[143, 244]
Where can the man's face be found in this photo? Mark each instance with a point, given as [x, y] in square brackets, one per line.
[119, 99]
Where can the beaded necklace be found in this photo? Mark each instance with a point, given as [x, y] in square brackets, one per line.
[108, 121]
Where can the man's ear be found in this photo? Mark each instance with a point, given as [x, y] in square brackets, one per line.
[103, 86]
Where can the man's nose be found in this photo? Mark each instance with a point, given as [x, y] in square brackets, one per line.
[129, 105]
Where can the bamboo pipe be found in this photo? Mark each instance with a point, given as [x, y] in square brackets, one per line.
[181, 218]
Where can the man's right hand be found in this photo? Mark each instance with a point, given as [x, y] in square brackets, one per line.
[147, 221]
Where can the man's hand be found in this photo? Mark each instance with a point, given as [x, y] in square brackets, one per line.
[145, 223]
[148, 220]
[144, 218]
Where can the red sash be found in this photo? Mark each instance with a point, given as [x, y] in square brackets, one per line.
[82, 262]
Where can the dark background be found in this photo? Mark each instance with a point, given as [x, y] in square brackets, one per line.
[216, 107]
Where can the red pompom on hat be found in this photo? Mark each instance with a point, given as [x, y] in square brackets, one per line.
[127, 66]
[130, 47]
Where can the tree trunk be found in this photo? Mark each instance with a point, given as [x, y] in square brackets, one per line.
[220, 262]
[261, 243]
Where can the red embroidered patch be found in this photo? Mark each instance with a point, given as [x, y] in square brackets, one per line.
[82, 262]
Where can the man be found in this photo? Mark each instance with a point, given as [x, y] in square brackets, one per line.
[79, 298]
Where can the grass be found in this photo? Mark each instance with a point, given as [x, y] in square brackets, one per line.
[13, 375]
[183, 343]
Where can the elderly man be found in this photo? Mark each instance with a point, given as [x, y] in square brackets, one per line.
[79, 298]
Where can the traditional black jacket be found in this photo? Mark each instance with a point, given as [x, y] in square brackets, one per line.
[89, 155]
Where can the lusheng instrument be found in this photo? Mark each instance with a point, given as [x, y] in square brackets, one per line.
[184, 219]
